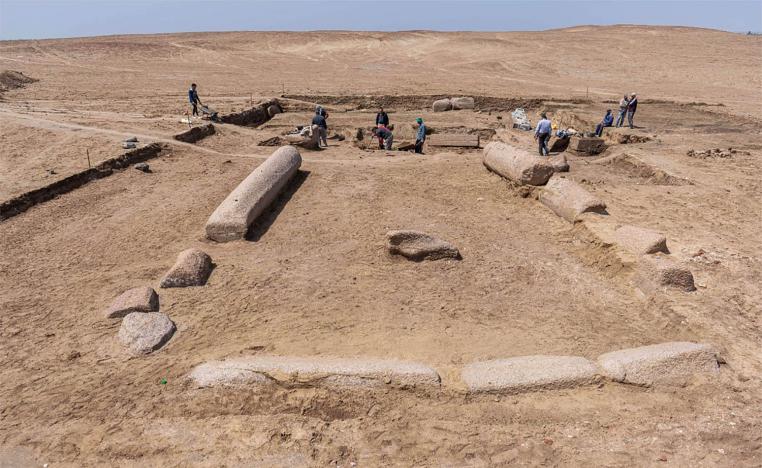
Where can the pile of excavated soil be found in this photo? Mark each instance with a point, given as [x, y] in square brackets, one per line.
[10, 79]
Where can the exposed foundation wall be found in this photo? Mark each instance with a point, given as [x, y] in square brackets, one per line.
[195, 134]
[27, 200]
[253, 117]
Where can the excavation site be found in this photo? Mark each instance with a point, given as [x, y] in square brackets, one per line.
[416, 283]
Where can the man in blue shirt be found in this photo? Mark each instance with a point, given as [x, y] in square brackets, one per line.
[608, 120]
[420, 136]
[319, 120]
[542, 133]
[193, 98]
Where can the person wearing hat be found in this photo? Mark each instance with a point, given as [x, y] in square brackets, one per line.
[632, 106]
[420, 136]
[542, 133]
[622, 111]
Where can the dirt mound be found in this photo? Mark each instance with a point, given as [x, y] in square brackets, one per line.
[567, 119]
[637, 168]
[11, 79]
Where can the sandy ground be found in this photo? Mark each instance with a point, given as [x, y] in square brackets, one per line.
[314, 279]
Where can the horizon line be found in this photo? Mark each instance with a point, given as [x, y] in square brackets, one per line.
[449, 31]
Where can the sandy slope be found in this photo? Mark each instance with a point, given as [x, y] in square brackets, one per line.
[315, 279]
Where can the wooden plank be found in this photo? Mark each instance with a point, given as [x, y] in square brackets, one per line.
[454, 139]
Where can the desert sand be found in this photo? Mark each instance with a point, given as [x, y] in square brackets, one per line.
[313, 277]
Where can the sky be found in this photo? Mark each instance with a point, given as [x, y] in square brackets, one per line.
[38, 19]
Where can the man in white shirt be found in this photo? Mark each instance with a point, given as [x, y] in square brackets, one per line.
[542, 134]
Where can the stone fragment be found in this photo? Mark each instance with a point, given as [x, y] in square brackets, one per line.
[143, 333]
[231, 220]
[442, 105]
[192, 268]
[659, 363]
[308, 138]
[529, 374]
[640, 240]
[143, 299]
[586, 145]
[459, 103]
[273, 109]
[318, 371]
[143, 167]
[559, 163]
[568, 199]
[661, 271]
[416, 245]
[516, 164]
[454, 139]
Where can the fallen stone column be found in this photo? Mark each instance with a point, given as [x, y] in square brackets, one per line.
[659, 271]
[516, 164]
[528, 374]
[231, 220]
[459, 103]
[631, 239]
[453, 139]
[640, 240]
[442, 105]
[568, 199]
[315, 371]
[659, 363]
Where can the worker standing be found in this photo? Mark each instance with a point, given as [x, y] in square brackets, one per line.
[542, 133]
[193, 98]
[420, 136]
[622, 111]
[632, 107]
[382, 118]
[319, 120]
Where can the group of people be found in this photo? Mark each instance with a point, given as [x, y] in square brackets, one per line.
[627, 108]
[386, 137]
